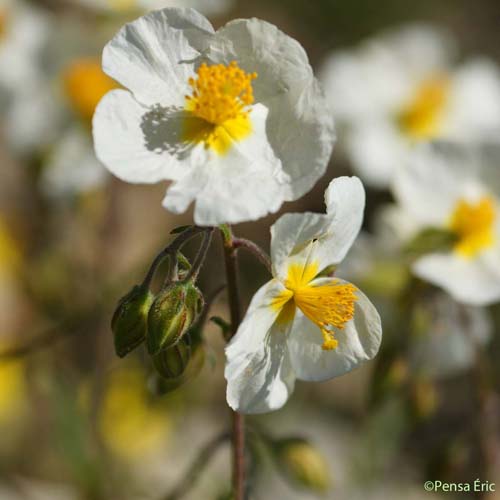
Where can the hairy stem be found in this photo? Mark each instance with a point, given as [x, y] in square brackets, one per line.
[171, 252]
[255, 250]
[238, 430]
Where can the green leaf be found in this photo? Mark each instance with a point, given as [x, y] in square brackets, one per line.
[223, 325]
[431, 239]
[179, 229]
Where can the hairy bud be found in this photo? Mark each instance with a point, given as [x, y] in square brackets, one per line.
[173, 312]
[176, 367]
[129, 322]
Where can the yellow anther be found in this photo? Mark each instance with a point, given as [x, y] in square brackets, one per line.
[473, 223]
[329, 306]
[421, 118]
[220, 93]
[85, 84]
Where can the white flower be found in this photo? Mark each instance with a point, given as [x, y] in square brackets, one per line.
[402, 88]
[235, 118]
[450, 339]
[25, 102]
[454, 188]
[303, 324]
[72, 166]
[207, 7]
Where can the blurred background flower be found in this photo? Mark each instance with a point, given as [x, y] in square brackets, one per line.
[76, 422]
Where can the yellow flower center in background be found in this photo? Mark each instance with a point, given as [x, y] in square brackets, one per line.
[85, 84]
[473, 223]
[329, 306]
[421, 118]
[10, 253]
[12, 390]
[3, 23]
[131, 423]
[122, 5]
[219, 106]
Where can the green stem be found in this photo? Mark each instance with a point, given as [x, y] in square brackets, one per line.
[171, 252]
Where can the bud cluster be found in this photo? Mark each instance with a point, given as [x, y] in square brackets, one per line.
[164, 321]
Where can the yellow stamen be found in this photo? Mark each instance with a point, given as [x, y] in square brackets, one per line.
[421, 118]
[329, 306]
[219, 106]
[85, 84]
[473, 223]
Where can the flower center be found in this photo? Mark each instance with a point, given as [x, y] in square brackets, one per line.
[329, 306]
[220, 93]
[85, 84]
[421, 118]
[218, 106]
[473, 223]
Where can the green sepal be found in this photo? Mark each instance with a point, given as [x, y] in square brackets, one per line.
[173, 312]
[129, 322]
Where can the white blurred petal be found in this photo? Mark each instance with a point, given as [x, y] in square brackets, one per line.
[474, 281]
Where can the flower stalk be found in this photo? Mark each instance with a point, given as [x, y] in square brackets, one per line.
[238, 431]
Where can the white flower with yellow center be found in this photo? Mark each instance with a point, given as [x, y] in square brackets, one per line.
[234, 117]
[402, 88]
[455, 188]
[304, 324]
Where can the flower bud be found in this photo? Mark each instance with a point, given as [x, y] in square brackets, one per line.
[129, 322]
[173, 312]
[172, 362]
[167, 383]
[303, 464]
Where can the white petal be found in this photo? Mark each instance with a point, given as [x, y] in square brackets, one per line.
[72, 166]
[290, 234]
[345, 75]
[377, 150]
[154, 56]
[133, 142]
[473, 281]
[32, 116]
[421, 49]
[475, 101]
[245, 183]
[451, 341]
[345, 206]
[335, 232]
[434, 177]
[258, 370]
[358, 342]
[300, 125]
